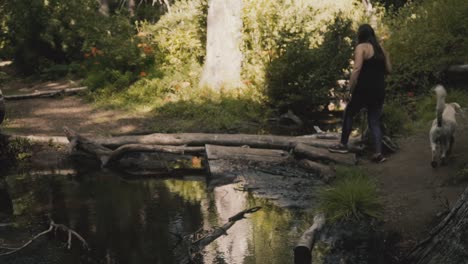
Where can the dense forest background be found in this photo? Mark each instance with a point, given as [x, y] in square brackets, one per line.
[148, 56]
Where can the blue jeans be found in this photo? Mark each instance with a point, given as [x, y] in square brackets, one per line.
[374, 113]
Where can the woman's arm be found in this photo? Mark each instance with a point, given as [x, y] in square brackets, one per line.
[358, 60]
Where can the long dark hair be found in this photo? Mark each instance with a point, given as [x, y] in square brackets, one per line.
[366, 34]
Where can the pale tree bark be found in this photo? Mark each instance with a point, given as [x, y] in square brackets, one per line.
[131, 7]
[370, 11]
[163, 2]
[223, 56]
[104, 7]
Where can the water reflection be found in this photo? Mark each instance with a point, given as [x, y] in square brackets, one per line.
[136, 221]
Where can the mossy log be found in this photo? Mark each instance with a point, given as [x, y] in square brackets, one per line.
[448, 242]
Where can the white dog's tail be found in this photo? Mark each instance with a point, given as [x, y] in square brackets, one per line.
[441, 94]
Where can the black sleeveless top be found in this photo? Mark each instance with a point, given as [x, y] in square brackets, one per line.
[370, 85]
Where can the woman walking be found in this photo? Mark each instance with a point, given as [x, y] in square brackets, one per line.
[367, 88]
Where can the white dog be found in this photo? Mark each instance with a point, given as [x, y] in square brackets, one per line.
[443, 127]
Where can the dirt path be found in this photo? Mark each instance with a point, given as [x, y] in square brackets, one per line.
[47, 116]
[416, 195]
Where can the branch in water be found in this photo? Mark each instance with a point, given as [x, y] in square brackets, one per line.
[52, 227]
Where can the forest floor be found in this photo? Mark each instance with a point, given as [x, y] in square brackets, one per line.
[415, 195]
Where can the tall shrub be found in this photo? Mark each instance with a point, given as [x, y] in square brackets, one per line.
[289, 55]
[43, 33]
[301, 78]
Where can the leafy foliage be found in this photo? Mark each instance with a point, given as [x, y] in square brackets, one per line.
[58, 37]
[295, 51]
[426, 37]
[426, 105]
[301, 78]
[43, 33]
[396, 120]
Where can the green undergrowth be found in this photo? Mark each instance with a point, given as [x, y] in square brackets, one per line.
[353, 197]
[193, 109]
[405, 115]
[426, 106]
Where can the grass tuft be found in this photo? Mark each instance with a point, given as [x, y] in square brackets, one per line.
[353, 196]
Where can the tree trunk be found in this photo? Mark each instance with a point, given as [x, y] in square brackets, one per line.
[223, 56]
[131, 7]
[447, 242]
[370, 12]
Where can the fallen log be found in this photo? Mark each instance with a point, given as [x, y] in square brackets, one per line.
[214, 152]
[201, 139]
[83, 146]
[447, 242]
[219, 158]
[120, 151]
[315, 153]
[327, 173]
[303, 249]
[44, 94]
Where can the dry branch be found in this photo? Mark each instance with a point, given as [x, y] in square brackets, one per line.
[52, 227]
[43, 94]
[201, 243]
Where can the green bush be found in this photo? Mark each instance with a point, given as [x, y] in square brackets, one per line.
[396, 119]
[177, 34]
[424, 38]
[353, 196]
[294, 51]
[426, 105]
[57, 37]
[115, 56]
[44, 33]
[301, 78]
